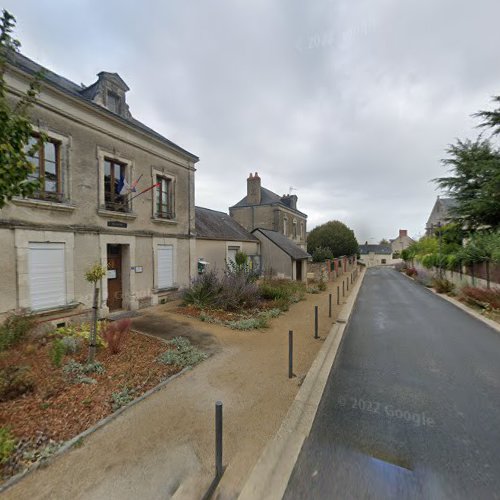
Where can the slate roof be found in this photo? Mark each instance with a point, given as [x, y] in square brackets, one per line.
[85, 94]
[378, 249]
[267, 197]
[448, 202]
[281, 241]
[213, 225]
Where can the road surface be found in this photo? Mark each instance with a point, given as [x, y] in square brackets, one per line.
[412, 405]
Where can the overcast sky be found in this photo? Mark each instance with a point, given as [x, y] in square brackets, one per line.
[352, 103]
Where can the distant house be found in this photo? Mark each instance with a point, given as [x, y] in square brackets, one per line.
[219, 237]
[280, 256]
[375, 255]
[401, 242]
[440, 214]
[261, 208]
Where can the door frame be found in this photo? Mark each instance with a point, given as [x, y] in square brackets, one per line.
[118, 274]
[130, 300]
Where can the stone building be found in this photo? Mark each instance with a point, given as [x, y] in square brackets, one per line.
[261, 208]
[219, 237]
[375, 255]
[87, 210]
[440, 214]
[401, 242]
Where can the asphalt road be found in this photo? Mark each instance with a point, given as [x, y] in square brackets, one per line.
[412, 405]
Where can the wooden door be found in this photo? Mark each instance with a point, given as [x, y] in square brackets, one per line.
[115, 292]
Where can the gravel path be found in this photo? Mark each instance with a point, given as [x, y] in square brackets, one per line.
[165, 445]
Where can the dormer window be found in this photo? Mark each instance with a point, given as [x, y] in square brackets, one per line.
[113, 102]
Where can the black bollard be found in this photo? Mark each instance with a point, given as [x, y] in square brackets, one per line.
[329, 305]
[290, 353]
[316, 322]
[218, 439]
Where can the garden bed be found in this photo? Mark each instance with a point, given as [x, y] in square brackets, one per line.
[58, 407]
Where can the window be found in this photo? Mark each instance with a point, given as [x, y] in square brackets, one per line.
[165, 266]
[47, 162]
[47, 280]
[285, 226]
[295, 229]
[165, 198]
[113, 101]
[115, 196]
[302, 230]
[231, 254]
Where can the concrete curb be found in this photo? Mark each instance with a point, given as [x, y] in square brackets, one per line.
[70, 444]
[270, 475]
[460, 305]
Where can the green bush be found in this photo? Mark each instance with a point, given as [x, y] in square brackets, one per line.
[14, 329]
[122, 398]
[442, 285]
[182, 353]
[320, 254]
[204, 290]
[57, 352]
[76, 373]
[81, 332]
[7, 444]
[15, 381]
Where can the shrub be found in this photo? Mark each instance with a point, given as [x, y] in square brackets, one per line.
[256, 323]
[82, 331]
[72, 345]
[182, 353]
[204, 290]
[411, 272]
[424, 278]
[442, 285]
[57, 352]
[116, 335]
[236, 293]
[122, 398]
[7, 444]
[76, 373]
[320, 254]
[486, 298]
[15, 381]
[14, 329]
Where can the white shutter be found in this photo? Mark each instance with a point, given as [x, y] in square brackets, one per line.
[165, 266]
[47, 278]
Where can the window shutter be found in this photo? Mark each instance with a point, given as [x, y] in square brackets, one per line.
[165, 266]
[47, 279]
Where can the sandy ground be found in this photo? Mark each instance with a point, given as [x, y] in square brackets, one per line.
[164, 446]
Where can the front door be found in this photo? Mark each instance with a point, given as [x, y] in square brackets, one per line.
[298, 274]
[114, 277]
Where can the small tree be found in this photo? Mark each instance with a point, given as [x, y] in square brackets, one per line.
[335, 236]
[15, 126]
[94, 275]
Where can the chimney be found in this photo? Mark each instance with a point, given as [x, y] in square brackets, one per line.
[253, 189]
[403, 233]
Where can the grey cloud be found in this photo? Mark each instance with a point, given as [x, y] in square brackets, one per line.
[353, 103]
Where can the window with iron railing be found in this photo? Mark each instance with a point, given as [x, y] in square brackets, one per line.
[115, 186]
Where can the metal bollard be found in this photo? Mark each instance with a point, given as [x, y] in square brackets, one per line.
[347, 281]
[218, 439]
[343, 288]
[329, 305]
[316, 322]
[338, 295]
[290, 353]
